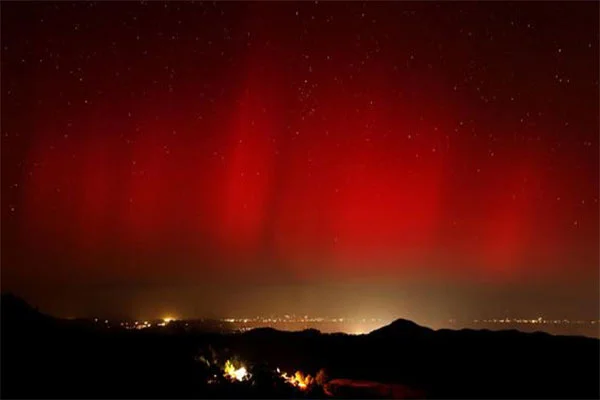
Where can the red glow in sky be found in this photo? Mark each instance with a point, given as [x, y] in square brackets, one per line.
[292, 141]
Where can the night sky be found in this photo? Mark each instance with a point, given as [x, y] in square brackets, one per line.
[417, 160]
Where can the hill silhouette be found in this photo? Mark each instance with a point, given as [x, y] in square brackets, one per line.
[401, 327]
[57, 359]
[17, 311]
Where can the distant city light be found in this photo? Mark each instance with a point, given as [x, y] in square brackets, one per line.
[349, 325]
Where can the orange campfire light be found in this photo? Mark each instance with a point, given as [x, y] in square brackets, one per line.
[238, 372]
[233, 373]
[298, 380]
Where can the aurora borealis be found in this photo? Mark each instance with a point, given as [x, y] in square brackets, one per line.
[152, 145]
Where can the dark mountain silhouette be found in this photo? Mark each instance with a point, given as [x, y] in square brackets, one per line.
[43, 357]
[401, 327]
[17, 311]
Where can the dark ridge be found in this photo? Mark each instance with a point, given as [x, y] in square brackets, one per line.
[311, 332]
[401, 327]
[274, 332]
[263, 331]
[15, 310]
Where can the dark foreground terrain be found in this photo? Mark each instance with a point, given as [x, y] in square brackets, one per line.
[44, 357]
